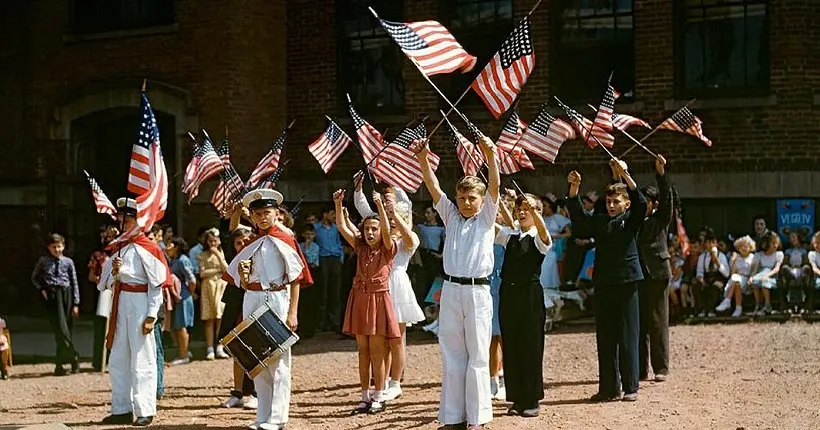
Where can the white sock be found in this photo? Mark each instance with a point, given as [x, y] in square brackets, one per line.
[393, 384]
[494, 379]
[210, 349]
[366, 396]
[377, 396]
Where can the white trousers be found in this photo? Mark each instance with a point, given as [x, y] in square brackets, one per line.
[272, 384]
[465, 326]
[133, 361]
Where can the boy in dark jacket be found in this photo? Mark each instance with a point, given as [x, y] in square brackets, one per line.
[616, 278]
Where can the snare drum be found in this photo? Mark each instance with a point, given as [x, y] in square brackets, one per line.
[259, 340]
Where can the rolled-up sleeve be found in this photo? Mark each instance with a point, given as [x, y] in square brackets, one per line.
[446, 209]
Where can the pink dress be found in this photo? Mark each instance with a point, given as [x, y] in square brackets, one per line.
[370, 309]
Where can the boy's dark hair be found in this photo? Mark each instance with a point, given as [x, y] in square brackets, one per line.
[156, 229]
[708, 234]
[240, 232]
[650, 192]
[328, 209]
[308, 227]
[768, 239]
[546, 201]
[55, 238]
[616, 190]
[180, 244]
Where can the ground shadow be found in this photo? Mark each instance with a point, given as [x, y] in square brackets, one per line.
[318, 389]
[549, 385]
[334, 342]
[566, 402]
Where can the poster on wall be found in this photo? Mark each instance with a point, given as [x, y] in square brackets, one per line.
[795, 215]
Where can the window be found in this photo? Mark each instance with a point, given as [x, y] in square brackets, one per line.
[370, 62]
[590, 40]
[723, 47]
[98, 16]
[481, 27]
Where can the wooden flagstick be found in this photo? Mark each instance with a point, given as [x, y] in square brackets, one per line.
[144, 82]
[637, 142]
[478, 165]
[589, 132]
[469, 87]
[228, 173]
[656, 129]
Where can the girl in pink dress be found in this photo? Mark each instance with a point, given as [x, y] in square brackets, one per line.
[370, 315]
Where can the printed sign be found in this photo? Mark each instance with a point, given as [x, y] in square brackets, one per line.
[795, 215]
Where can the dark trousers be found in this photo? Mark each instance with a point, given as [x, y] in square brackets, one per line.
[574, 260]
[708, 292]
[308, 317]
[653, 344]
[328, 303]
[231, 317]
[522, 316]
[59, 306]
[431, 267]
[100, 324]
[616, 334]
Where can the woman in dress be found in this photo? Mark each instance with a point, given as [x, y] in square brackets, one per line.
[212, 265]
[558, 227]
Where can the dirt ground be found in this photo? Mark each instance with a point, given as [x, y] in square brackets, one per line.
[742, 376]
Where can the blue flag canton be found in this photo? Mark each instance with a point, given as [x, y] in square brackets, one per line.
[512, 124]
[542, 122]
[517, 45]
[149, 131]
[405, 37]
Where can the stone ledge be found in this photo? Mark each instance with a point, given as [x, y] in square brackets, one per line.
[120, 34]
[727, 103]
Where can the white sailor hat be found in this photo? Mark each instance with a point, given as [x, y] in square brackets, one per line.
[127, 206]
[262, 198]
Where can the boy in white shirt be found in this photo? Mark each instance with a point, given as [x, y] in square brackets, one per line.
[710, 276]
[465, 316]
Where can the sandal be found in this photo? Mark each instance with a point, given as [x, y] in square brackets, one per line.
[376, 407]
[363, 408]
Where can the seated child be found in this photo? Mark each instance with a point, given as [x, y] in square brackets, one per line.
[767, 266]
[676, 263]
[688, 272]
[5, 351]
[741, 269]
[814, 262]
[712, 274]
[795, 274]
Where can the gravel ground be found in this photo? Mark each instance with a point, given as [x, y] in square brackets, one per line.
[742, 376]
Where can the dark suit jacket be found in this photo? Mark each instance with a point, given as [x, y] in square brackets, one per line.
[653, 236]
[616, 249]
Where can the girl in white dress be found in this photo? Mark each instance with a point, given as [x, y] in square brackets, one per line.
[558, 227]
[407, 309]
[767, 266]
[741, 269]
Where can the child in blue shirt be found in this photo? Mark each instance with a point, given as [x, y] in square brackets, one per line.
[308, 303]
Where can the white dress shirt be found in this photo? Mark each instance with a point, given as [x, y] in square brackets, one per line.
[468, 242]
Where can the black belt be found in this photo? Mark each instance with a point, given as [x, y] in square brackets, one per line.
[467, 281]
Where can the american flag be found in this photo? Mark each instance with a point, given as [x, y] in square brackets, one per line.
[545, 135]
[269, 163]
[430, 46]
[204, 164]
[152, 202]
[399, 164]
[681, 231]
[101, 201]
[584, 127]
[330, 146]
[224, 152]
[271, 180]
[685, 121]
[370, 140]
[227, 192]
[508, 141]
[506, 163]
[623, 122]
[507, 72]
[467, 153]
[606, 110]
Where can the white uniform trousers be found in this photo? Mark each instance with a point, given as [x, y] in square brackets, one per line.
[133, 361]
[272, 384]
[465, 326]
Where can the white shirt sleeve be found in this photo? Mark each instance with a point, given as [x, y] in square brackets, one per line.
[699, 271]
[360, 201]
[778, 258]
[540, 245]
[154, 300]
[503, 236]
[446, 209]
[724, 265]
[488, 211]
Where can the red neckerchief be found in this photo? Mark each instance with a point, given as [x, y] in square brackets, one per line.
[304, 278]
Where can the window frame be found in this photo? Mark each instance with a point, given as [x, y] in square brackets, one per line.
[82, 30]
[628, 95]
[344, 81]
[702, 91]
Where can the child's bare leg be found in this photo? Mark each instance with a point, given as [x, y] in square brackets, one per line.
[396, 351]
[767, 296]
[376, 349]
[673, 297]
[4, 361]
[738, 293]
[364, 363]
[495, 356]
[756, 292]
[238, 375]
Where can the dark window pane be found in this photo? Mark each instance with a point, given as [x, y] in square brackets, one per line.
[723, 47]
[96, 16]
[370, 62]
[592, 38]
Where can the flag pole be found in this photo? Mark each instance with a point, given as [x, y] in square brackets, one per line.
[227, 172]
[637, 142]
[656, 128]
[469, 87]
[478, 166]
[589, 132]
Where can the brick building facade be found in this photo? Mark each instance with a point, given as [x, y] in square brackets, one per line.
[70, 71]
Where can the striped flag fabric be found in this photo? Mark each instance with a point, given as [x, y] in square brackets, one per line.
[204, 165]
[545, 135]
[591, 135]
[271, 180]
[190, 169]
[370, 140]
[329, 146]
[685, 121]
[508, 140]
[431, 46]
[603, 119]
[399, 163]
[152, 202]
[224, 153]
[227, 192]
[623, 122]
[101, 201]
[269, 163]
[507, 72]
[506, 163]
[468, 155]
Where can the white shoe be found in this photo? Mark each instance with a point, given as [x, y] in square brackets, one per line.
[220, 352]
[724, 305]
[392, 392]
[711, 315]
[738, 312]
[502, 392]
[254, 426]
[250, 402]
[210, 356]
[232, 402]
[270, 426]
[178, 361]
[701, 314]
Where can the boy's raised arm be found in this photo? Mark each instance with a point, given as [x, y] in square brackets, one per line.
[342, 221]
[493, 175]
[430, 179]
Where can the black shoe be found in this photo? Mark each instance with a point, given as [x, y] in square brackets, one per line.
[362, 408]
[126, 418]
[4, 375]
[601, 397]
[143, 421]
[59, 371]
[514, 410]
[75, 364]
